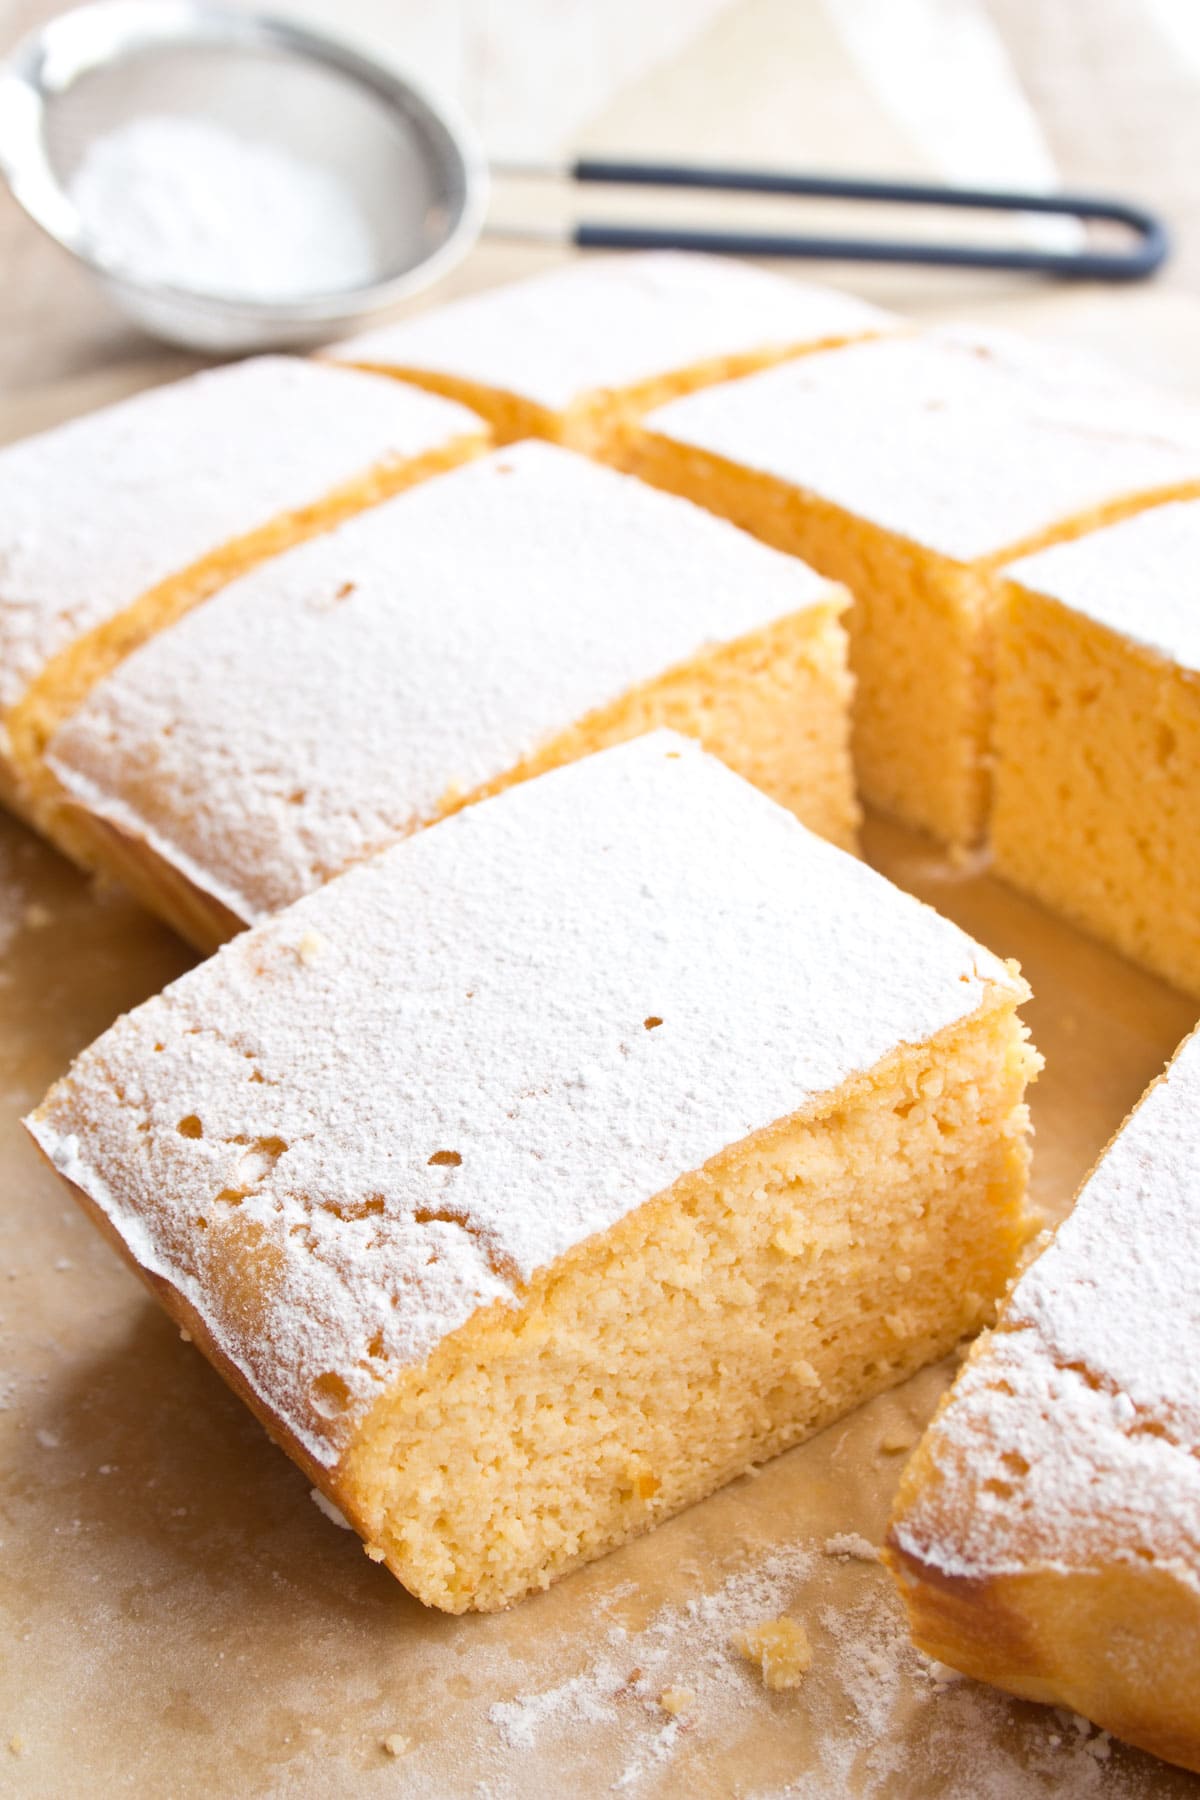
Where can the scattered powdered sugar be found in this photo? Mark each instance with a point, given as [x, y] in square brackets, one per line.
[190, 203]
[627, 1679]
[874, 1717]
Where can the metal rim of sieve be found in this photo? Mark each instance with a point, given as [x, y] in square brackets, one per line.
[90, 38]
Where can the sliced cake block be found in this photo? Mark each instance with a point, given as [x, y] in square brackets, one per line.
[1097, 736]
[115, 524]
[912, 469]
[551, 1168]
[1046, 1536]
[513, 614]
[575, 354]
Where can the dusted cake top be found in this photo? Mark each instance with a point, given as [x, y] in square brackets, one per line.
[384, 1107]
[1140, 577]
[1077, 1432]
[613, 323]
[968, 442]
[97, 511]
[331, 700]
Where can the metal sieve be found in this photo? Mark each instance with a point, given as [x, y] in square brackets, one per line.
[415, 170]
[413, 167]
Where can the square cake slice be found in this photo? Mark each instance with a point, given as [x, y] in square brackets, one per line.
[1046, 1536]
[912, 469]
[116, 523]
[516, 613]
[1097, 736]
[543, 1173]
[575, 354]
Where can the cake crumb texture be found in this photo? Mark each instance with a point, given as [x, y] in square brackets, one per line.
[781, 1649]
[1097, 736]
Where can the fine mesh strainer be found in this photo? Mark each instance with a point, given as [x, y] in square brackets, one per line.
[413, 168]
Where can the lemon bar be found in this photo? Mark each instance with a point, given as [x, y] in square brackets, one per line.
[575, 354]
[543, 1173]
[1097, 752]
[515, 613]
[116, 523]
[1047, 1532]
[913, 469]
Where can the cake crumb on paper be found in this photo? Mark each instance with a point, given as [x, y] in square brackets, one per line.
[396, 1744]
[851, 1546]
[781, 1649]
[897, 1439]
[676, 1700]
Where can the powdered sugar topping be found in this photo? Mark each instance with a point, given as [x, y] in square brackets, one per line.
[1075, 1429]
[329, 702]
[95, 512]
[1140, 578]
[462, 1085]
[613, 323]
[967, 442]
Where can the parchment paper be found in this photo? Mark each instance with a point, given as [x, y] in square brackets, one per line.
[179, 1619]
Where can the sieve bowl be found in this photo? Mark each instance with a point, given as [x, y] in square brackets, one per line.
[410, 163]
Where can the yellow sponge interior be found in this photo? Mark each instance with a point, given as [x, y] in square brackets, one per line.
[922, 629]
[1097, 745]
[736, 1314]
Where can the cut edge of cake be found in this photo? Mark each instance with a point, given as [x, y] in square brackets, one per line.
[1096, 758]
[711, 1263]
[941, 780]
